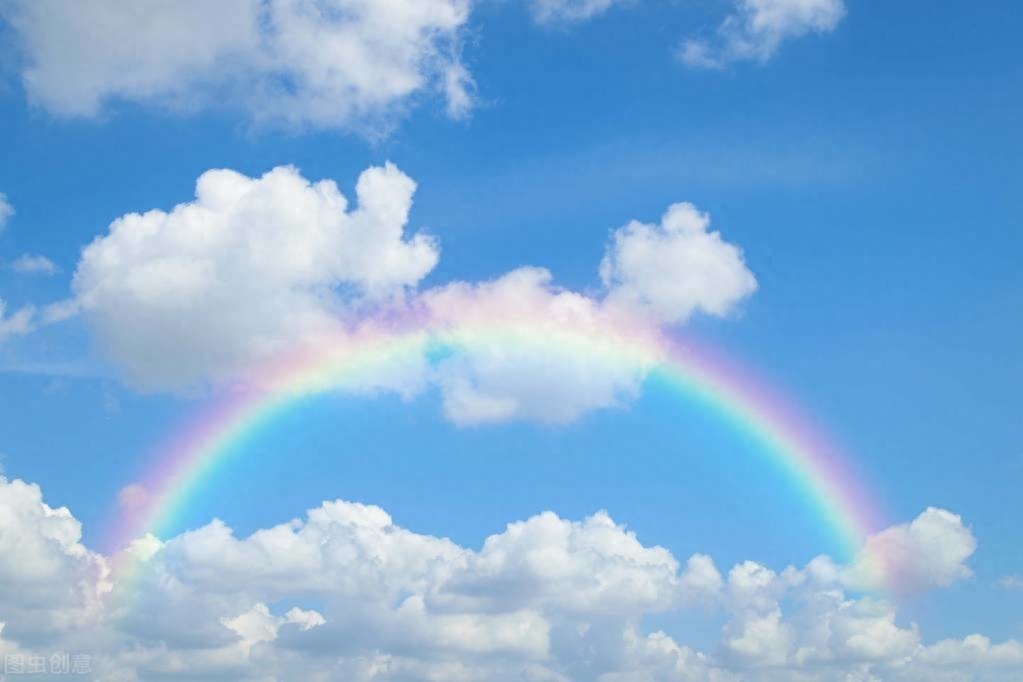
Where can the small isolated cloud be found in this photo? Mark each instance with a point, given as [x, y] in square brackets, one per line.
[757, 28]
[676, 268]
[319, 63]
[565, 11]
[1012, 582]
[18, 323]
[6, 211]
[28, 318]
[29, 264]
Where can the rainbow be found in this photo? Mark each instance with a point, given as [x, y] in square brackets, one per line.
[816, 469]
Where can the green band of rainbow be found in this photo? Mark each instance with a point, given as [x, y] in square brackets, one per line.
[817, 471]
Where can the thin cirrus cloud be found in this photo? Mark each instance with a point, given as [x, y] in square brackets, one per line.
[6, 211]
[566, 11]
[31, 264]
[756, 29]
[346, 593]
[252, 267]
[297, 63]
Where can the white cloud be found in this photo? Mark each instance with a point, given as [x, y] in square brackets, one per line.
[250, 267]
[930, 551]
[28, 264]
[345, 593]
[527, 375]
[672, 270]
[253, 268]
[6, 211]
[51, 583]
[757, 28]
[28, 318]
[973, 652]
[1012, 582]
[18, 323]
[562, 11]
[331, 64]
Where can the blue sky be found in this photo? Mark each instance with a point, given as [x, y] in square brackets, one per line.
[867, 168]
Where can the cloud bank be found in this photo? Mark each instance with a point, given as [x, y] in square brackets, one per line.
[344, 593]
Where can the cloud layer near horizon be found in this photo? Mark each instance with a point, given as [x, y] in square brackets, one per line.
[346, 594]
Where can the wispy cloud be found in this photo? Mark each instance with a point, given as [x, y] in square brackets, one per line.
[756, 29]
[30, 264]
[1012, 582]
[6, 211]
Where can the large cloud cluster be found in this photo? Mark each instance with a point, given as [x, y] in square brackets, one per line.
[253, 267]
[346, 594]
[325, 63]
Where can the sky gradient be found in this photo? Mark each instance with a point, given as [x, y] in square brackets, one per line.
[850, 191]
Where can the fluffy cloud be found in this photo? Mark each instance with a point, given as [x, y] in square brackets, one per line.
[972, 653]
[930, 551]
[51, 583]
[675, 268]
[526, 375]
[345, 593]
[251, 266]
[6, 211]
[328, 63]
[560, 11]
[756, 29]
[29, 264]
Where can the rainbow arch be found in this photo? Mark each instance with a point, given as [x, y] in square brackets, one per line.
[815, 467]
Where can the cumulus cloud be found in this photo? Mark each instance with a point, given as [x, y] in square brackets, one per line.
[249, 267]
[561, 11]
[528, 374]
[675, 268]
[327, 63]
[51, 583]
[252, 268]
[29, 264]
[757, 28]
[345, 593]
[930, 551]
[6, 211]
[972, 653]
